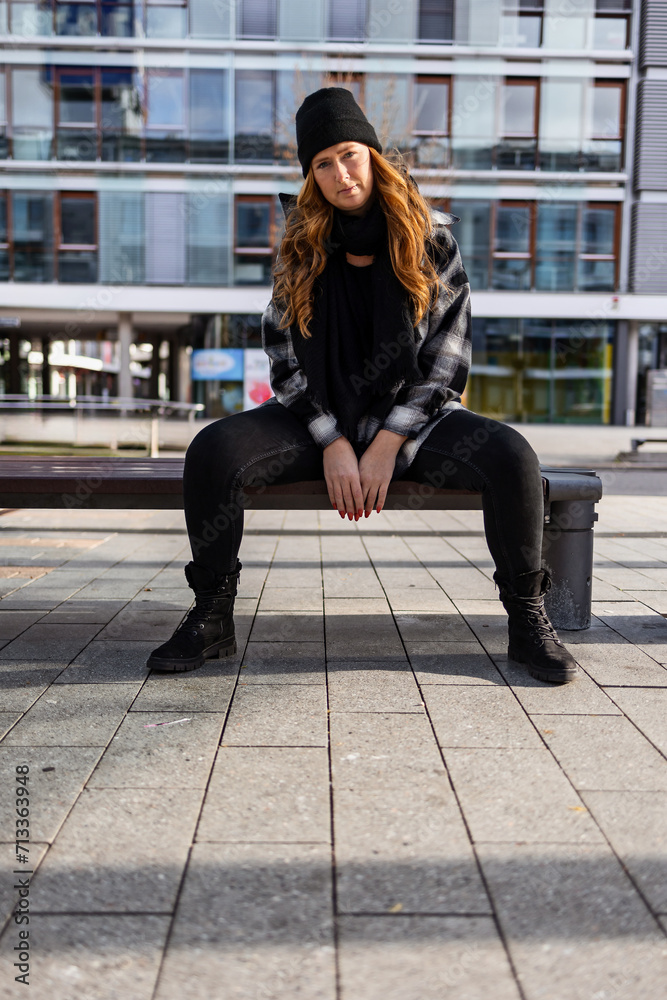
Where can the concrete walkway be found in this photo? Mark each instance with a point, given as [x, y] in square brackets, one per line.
[367, 804]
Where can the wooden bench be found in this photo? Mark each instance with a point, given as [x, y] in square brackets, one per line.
[570, 496]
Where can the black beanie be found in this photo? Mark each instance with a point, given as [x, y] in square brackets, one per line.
[327, 117]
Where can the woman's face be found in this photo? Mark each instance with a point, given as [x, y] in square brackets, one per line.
[344, 175]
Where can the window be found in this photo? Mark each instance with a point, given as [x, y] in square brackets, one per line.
[32, 224]
[436, 20]
[474, 127]
[518, 125]
[521, 23]
[562, 104]
[76, 129]
[611, 23]
[31, 19]
[603, 149]
[254, 115]
[165, 116]
[32, 114]
[555, 246]
[166, 19]
[472, 236]
[77, 238]
[512, 246]
[257, 19]
[4, 143]
[254, 236]
[598, 242]
[76, 18]
[347, 20]
[431, 116]
[121, 118]
[117, 19]
[4, 238]
[209, 121]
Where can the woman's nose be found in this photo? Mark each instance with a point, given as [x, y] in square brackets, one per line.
[341, 170]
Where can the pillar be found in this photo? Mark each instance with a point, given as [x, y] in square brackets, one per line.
[125, 335]
[625, 372]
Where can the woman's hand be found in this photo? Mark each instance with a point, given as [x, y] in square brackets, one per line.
[376, 467]
[341, 471]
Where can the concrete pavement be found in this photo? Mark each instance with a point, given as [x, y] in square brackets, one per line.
[367, 802]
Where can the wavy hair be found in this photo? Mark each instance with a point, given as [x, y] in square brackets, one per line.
[302, 255]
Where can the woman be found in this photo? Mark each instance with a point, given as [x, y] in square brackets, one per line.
[368, 334]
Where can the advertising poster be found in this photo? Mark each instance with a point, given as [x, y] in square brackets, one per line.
[219, 363]
[256, 385]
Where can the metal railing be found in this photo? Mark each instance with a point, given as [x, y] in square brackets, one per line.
[120, 406]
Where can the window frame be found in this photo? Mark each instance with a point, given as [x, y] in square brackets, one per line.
[531, 205]
[94, 126]
[605, 84]
[615, 256]
[426, 78]
[250, 199]
[58, 245]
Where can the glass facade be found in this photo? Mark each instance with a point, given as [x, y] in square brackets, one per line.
[595, 25]
[542, 371]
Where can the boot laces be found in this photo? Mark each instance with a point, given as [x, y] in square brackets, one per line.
[198, 616]
[537, 619]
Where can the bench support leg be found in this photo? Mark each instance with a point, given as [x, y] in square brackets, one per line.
[567, 553]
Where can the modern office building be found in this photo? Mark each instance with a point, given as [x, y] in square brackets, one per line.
[144, 146]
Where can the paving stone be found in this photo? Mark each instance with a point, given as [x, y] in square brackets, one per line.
[159, 750]
[581, 697]
[108, 660]
[291, 599]
[286, 626]
[518, 795]
[636, 825]
[602, 590]
[647, 709]
[139, 623]
[277, 715]
[478, 716]
[656, 600]
[74, 715]
[423, 958]
[9, 895]
[283, 663]
[573, 922]
[356, 638]
[92, 956]
[347, 574]
[619, 664]
[289, 800]
[433, 628]
[419, 599]
[13, 623]
[120, 851]
[253, 920]
[56, 777]
[373, 609]
[451, 663]
[383, 686]
[50, 643]
[603, 752]
[21, 683]
[399, 834]
[76, 612]
[206, 689]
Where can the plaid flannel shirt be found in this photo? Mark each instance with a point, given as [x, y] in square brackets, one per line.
[443, 340]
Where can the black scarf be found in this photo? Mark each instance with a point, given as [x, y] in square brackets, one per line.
[363, 341]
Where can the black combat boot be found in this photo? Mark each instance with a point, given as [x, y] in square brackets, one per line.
[208, 628]
[533, 641]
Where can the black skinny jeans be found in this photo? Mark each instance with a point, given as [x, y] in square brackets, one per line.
[269, 445]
